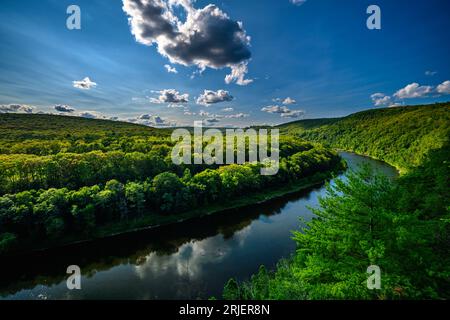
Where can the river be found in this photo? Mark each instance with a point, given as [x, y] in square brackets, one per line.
[189, 260]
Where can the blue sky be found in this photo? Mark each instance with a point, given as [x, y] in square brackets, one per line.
[320, 54]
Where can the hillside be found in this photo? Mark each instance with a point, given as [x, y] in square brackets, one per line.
[400, 226]
[401, 136]
[42, 134]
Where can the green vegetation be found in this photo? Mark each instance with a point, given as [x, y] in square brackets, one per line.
[402, 226]
[401, 136]
[96, 178]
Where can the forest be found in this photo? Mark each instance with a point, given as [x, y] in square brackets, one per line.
[400, 136]
[402, 225]
[70, 179]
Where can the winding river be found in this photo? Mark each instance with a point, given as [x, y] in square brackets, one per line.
[188, 260]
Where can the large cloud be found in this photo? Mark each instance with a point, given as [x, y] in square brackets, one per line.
[209, 97]
[170, 96]
[85, 84]
[16, 108]
[413, 90]
[207, 37]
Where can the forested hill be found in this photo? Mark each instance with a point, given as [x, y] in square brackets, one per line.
[401, 136]
[43, 134]
[46, 126]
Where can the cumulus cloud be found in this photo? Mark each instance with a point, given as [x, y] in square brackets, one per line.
[284, 111]
[170, 69]
[63, 108]
[380, 99]
[207, 38]
[413, 90]
[171, 96]
[16, 108]
[275, 109]
[289, 101]
[209, 97]
[85, 84]
[444, 87]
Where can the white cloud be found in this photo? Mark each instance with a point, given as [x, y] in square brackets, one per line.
[209, 97]
[413, 90]
[380, 99]
[289, 101]
[170, 69]
[228, 109]
[152, 121]
[85, 84]
[284, 111]
[207, 38]
[286, 101]
[171, 96]
[16, 108]
[275, 109]
[444, 87]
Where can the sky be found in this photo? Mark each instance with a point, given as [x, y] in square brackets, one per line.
[226, 63]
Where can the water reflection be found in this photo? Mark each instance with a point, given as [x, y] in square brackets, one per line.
[188, 260]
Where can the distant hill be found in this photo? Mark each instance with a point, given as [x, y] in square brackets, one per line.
[401, 136]
[45, 126]
[308, 124]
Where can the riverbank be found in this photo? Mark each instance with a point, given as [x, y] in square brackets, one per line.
[154, 221]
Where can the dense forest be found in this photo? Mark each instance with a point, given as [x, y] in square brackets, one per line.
[402, 226]
[401, 136]
[64, 179]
